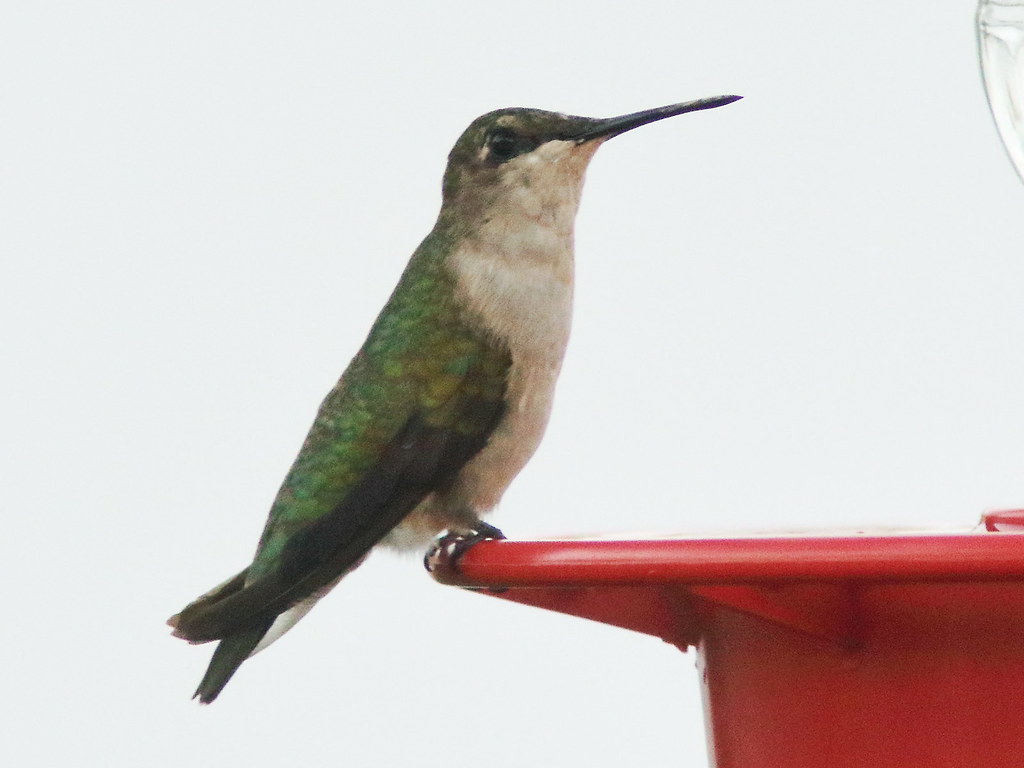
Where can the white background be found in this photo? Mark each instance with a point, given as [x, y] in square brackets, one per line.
[799, 311]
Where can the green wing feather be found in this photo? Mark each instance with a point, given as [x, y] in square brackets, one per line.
[416, 403]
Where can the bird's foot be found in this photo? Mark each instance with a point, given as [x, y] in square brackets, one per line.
[446, 551]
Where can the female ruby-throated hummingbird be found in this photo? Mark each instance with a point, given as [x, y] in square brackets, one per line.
[450, 394]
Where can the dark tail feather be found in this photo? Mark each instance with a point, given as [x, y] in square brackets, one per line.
[215, 595]
[228, 657]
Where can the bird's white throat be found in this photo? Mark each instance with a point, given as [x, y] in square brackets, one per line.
[515, 270]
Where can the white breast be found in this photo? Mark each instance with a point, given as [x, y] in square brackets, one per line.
[526, 304]
[514, 275]
[516, 279]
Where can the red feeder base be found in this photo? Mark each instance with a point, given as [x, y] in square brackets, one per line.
[878, 651]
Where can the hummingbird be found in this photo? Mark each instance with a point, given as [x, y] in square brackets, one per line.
[450, 394]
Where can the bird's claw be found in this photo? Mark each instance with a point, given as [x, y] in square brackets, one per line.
[484, 531]
[446, 551]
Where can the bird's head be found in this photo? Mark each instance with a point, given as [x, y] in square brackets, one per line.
[534, 158]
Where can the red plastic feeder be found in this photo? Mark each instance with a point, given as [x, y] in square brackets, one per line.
[863, 650]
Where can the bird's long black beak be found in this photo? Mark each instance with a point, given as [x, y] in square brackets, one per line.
[613, 126]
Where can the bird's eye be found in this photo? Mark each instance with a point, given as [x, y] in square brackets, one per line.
[503, 145]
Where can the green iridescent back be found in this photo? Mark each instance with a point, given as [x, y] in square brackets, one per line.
[422, 358]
